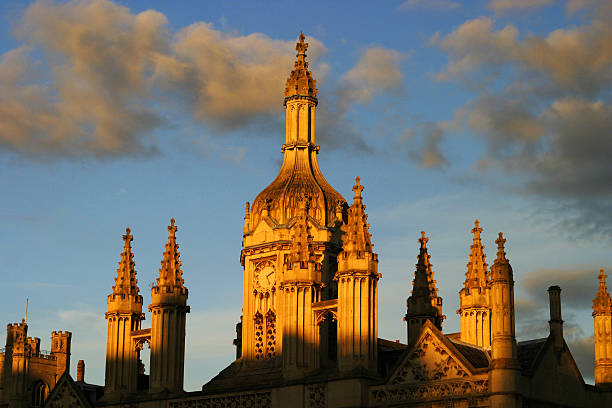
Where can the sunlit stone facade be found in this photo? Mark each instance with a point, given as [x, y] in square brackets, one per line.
[308, 334]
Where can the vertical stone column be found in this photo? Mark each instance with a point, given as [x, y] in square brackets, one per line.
[602, 320]
[504, 375]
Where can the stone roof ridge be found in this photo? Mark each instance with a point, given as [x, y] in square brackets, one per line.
[501, 269]
[357, 237]
[300, 82]
[126, 282]
[602, 304]
[477, 274]
[170, 273]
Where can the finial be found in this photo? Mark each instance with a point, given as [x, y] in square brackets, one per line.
[127, 238]
[357, 188]
[602, 278]
[300, 82]
[423, 240]
[248, 208]
[477, 230]
[301, 46]
[500, 241]
[172, 228]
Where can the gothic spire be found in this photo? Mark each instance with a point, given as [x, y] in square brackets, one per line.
[477, 274]
[170, 273]
[357, 236]
[126, 282]
[501, 269]
[300, 82]
[602, 304]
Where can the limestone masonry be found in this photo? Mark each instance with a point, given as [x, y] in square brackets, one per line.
[308, 334]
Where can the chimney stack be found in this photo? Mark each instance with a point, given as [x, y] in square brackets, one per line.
[555, 322]
[81, 371]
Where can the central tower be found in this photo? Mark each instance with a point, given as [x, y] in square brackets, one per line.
[291, 241]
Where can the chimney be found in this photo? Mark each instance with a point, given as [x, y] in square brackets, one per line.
[81, 371]
[555, 322]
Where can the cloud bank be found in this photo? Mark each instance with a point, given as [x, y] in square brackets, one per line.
[543, 108]
[91, 78]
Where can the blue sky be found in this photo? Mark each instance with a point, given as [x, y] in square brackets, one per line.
[128, 113]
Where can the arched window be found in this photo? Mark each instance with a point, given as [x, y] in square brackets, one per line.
[39, 394]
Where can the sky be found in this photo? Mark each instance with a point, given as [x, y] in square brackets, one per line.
[127, 113]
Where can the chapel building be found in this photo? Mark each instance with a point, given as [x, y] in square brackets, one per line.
[308, 334]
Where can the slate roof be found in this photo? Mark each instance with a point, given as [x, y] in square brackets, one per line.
[528, 352]
[477, 357]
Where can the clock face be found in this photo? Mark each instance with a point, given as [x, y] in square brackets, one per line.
[265, 276]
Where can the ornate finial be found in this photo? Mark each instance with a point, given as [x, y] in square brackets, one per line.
[602, 304]
[602, 278]
[500, 241]
[127, 238]
[247, 208]
[301, 46]
[357, 188]
[300, 82]
[423, 240]
[477, 230]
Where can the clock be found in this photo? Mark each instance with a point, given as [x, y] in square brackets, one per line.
[265, 275]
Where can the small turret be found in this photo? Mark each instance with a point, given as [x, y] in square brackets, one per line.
[602, 320]
[60, 349]
[424, 303]
[504, 375]
[357, 279]
[169, 309]
[474, 310]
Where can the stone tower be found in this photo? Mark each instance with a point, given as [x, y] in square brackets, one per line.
[474, 309]
[602, 318]
[60, 349]
[168, 312]
[123, 317]
[16, 372]
[357, 279]
[291, 240]
[424, 303]
[505, 374]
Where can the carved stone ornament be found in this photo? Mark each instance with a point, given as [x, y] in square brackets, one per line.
[265, 276]
[429, 390]
[430, 361]
[251, 400]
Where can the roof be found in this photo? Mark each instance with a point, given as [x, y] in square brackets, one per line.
[528, 352]
[477, 356]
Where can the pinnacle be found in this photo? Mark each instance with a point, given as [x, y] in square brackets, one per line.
[602, 304]
[126, 282]
[357, 235]
[170, 273]
[477, 274]
[424, 285]
[300, 82]
[501, 269]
